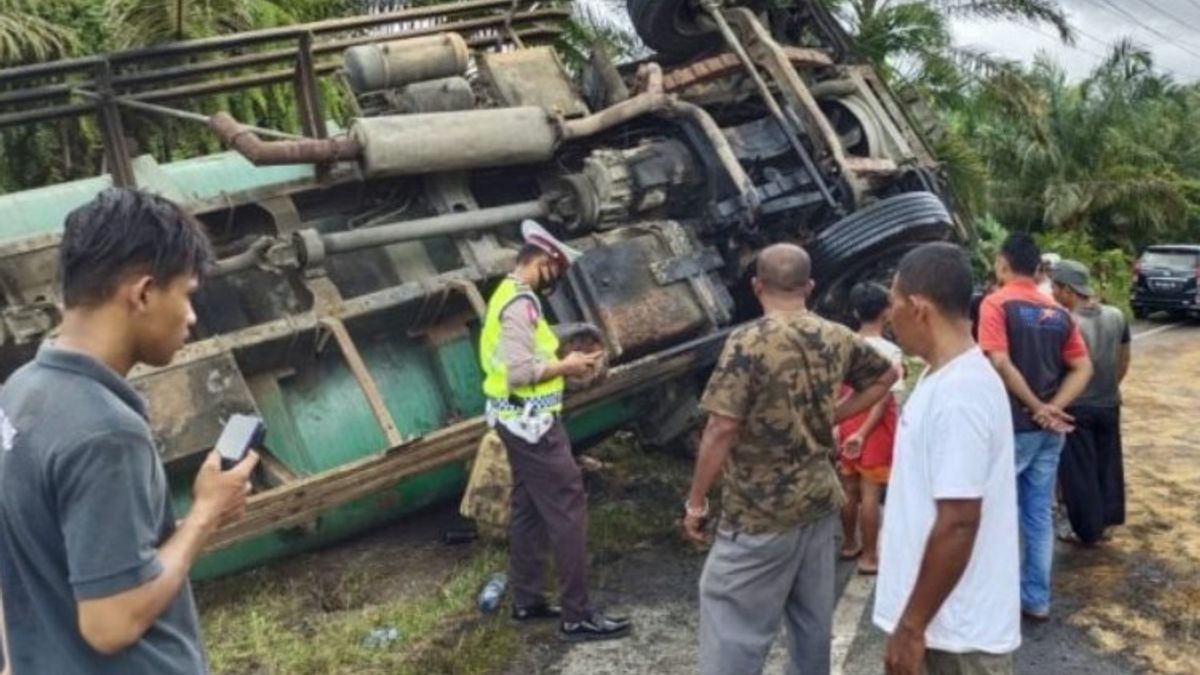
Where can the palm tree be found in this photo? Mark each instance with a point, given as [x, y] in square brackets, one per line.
[1112, 156]
[145, 22]
[27, 35]
[911, 44]
[911, 40]
[603, 22]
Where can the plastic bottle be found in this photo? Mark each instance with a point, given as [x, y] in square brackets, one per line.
[381, 637]
[493, 592]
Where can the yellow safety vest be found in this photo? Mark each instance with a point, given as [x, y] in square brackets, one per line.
[542, 397]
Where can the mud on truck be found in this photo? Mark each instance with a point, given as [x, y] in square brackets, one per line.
[354, 262]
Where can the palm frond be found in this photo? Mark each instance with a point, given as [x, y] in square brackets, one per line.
[26, 35]
[607, 16]
[981, 65]
[1034, 11]
[146, 22]
[966, 169]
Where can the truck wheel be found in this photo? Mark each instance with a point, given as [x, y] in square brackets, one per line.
[676, 29]
[868, 244]
[1140, 313]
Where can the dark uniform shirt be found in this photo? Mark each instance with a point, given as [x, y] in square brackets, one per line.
[780, 377]
[83, 508]
[1039, 335]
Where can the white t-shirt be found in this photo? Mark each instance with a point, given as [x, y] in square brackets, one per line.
[892, 352]
[955, 441]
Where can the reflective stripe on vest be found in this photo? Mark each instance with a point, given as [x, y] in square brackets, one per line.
[545, 396]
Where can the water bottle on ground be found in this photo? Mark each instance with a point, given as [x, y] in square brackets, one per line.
[381, 637]
[493, 593]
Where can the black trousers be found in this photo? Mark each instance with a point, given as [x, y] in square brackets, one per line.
[1091, 474]
[549, 512]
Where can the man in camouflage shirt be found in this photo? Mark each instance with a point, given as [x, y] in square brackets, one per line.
[772, 404]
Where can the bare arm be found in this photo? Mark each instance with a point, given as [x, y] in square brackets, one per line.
[868, 397]
[111, 624]
[1124, 358]
[873, 419]
[947, 552]
[116, 622]
[1079, 372]
[720, 436]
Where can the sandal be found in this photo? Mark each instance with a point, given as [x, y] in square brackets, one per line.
[851, 555]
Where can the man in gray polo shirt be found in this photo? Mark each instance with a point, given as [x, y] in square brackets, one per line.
[93, 566]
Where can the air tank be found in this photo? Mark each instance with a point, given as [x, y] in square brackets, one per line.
[390, 65]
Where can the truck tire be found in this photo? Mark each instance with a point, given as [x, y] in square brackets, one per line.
[673, 28]
[868, 244]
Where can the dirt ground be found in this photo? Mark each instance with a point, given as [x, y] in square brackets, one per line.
[1139, 595]
[1130, 606]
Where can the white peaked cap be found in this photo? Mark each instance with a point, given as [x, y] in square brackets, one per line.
[535, 234]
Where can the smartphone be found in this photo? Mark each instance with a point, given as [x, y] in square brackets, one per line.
[241, 433]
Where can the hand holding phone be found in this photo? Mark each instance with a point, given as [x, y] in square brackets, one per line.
[223, 482]
[240, 435]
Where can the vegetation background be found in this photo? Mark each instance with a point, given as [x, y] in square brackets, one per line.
[1098, 167]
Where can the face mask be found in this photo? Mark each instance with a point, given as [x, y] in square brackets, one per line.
[547, 281]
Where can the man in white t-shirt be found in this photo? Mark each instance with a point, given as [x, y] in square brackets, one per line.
[949, 576]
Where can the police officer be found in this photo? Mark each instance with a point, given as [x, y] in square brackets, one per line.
[524, 383]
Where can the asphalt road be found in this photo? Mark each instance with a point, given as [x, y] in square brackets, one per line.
[1129, 606]
[1132, 606]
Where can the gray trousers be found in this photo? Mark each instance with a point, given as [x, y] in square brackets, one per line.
[549, 513]
[751, 583]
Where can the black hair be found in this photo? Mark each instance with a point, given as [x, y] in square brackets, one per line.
[123, 231]
[529, 252]
[1022, 253]
[940, 272]
[869, 301]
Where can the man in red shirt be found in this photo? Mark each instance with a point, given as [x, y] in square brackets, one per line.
[1035, 345]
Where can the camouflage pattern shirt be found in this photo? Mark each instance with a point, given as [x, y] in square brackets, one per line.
[780, 377]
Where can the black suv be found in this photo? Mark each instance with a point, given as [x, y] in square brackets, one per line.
[1167, 278]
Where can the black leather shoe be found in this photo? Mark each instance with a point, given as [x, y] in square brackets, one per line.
[542, 610]
[598, 627]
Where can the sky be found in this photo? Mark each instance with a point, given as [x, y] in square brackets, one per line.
[1169, 28]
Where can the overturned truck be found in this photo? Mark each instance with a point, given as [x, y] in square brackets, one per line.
[354, 262]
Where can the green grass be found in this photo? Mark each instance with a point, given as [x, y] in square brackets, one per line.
[254, 624]
[284, 620]
[618, 527]
[641, 497]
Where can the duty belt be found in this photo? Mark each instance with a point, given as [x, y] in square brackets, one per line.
[516, 404]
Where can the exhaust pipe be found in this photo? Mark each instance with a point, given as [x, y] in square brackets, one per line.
[269, 153]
